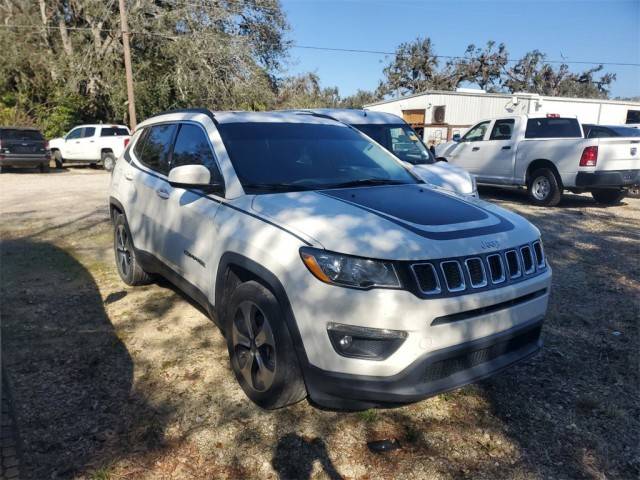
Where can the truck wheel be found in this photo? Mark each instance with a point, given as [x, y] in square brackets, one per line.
[544, 188]
[609, 196]
[108, 161]
[57, 158]
[44, 167]
[260, 348]
[129, 268]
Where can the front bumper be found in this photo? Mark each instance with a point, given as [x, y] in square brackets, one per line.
[16, 160]
[433, 373]
[608, 179]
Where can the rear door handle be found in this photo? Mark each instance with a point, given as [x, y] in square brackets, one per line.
[162, 193]
[128, 175]
[506, 147]
[475, 149]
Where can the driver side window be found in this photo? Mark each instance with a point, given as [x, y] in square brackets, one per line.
[476, 134]
[74, 134]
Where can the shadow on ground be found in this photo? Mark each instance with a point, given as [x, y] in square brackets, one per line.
[70, 374]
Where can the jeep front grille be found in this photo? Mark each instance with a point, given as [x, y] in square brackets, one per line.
[455, 276]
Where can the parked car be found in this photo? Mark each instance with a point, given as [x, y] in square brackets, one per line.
[91, 144]
[394, 134]
[23, 147]
[548, 154]
[332, 271]
[608, 131]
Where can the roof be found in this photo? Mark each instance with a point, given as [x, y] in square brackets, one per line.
[11, 127]
[504, 95]
[108, 125]
[357, 117]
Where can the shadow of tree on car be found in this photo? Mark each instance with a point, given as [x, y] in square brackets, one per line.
[70, 374]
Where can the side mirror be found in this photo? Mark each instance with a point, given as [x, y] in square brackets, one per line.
[456, 137]
[193, 176]
[441, 159]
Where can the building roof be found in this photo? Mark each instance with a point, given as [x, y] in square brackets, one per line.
[482, 94]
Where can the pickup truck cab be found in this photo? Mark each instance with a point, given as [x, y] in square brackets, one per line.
[395, 135]
[93, 144]
[548, 154]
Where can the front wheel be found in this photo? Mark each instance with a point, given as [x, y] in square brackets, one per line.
[127, 262]
[260, 348]
[544, 188]
[609, 196]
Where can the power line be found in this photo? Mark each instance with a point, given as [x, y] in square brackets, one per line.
[312, 47]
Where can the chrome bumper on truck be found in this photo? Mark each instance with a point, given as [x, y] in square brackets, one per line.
[608, 179]
[19, 160]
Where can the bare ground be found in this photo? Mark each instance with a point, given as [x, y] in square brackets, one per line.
[118, 382]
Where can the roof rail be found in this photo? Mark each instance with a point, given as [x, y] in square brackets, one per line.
[204, 111]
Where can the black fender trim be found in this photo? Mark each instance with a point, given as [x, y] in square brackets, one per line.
[272, 282]
[116, 203]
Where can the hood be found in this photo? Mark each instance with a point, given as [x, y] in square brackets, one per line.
[447, 176]
[398, 222]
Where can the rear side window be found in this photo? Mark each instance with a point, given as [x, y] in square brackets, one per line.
[553, 128]
[502, 129]
[88, 132]
[192, 148]
[113, 132]
[18, 134]
[154, 148]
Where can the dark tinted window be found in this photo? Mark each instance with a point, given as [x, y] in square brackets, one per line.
[477, 133]
[599, 132]
[290, 156]
[113, 132]
[154, 152]
[401, 140]
[553, 128]
[77, 133]
[633, 116]
[88, 132]
[502, 129]
[18, 134]
[625, 131]
[192, 148]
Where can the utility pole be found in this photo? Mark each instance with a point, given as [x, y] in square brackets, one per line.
[127, 65]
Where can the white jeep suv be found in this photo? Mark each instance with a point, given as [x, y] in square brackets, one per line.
[332, 270]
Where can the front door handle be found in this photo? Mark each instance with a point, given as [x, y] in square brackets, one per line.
[128, 175]
[475, 149]
[506, 147]
[162, 193]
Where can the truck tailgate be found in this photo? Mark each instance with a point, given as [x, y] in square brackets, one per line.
[618, 154]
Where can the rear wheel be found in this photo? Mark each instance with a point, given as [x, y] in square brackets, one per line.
[260, 348]
[57, 158]
[108, 161]
[609, 196]
[129, 268]
[544, 188]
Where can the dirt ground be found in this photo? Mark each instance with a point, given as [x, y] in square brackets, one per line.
[117, 382]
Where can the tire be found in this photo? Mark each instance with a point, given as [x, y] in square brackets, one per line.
[608, 196]
[108, 161]
[260, 348]
[127, 263]
[544, 188]
[44, 168]
[57, 158]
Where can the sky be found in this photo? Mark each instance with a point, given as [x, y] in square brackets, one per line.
[587, 30]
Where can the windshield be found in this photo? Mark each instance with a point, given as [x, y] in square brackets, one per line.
[18, 134]
[400, 140]
[306, 156]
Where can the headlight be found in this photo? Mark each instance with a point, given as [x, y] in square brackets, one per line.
[349, 271]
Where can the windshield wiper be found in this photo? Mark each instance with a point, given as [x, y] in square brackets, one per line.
[365, 182]
[275, 187]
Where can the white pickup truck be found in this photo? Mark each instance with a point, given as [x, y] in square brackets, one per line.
[547, 154]
[100, 143]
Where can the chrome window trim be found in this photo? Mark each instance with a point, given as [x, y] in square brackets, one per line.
[438, 288]
[463, 285]
[485, 281]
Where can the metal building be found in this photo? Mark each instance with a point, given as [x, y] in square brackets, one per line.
[438, 115]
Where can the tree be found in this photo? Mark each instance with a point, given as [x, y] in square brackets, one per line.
[304, 91]
[414, 69]
[483, 67]
[359, 99]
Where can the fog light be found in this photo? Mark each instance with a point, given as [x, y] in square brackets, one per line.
[364, 342]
